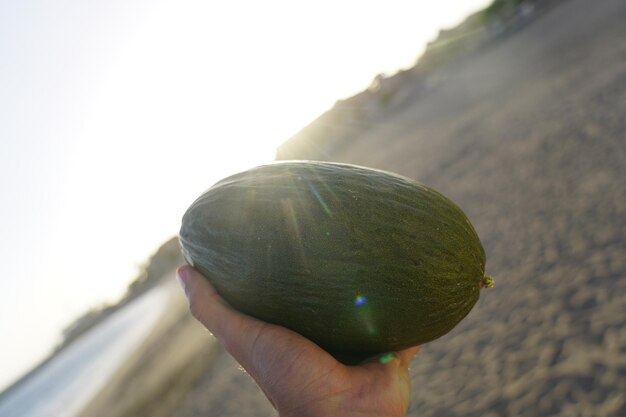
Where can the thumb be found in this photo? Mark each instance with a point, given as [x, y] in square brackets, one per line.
[208, 307]
[231, 328]
[204, 301]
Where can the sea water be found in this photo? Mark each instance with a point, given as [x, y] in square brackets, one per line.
[63, 386]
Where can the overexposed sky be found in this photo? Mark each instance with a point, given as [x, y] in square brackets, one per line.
[116, 115]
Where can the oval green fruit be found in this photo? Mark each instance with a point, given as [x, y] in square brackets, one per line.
[360, 261]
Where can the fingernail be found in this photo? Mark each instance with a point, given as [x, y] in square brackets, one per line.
[181, 276]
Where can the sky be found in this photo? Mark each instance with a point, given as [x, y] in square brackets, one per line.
[116, 115]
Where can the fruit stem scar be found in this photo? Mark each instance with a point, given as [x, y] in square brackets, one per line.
[487, 282]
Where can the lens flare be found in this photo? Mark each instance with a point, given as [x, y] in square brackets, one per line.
[319, 198]
[386, 358]
[360, 300]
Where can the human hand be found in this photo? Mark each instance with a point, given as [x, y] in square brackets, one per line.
[297, 376]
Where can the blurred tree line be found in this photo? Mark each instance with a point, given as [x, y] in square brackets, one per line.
[152, 272]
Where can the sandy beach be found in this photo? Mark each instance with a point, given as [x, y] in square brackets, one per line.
[163, 369]
[528, 136]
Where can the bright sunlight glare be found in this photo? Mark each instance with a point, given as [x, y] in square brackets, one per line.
[115, 115]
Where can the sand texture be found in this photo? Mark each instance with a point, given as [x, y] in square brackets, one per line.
[528, 136]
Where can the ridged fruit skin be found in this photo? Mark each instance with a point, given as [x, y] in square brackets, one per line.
[358, 260]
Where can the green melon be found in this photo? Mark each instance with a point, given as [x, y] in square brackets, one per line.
[358, 260]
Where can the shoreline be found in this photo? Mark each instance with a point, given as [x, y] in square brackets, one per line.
[166, 257]
[164, 367]
[71, 378]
